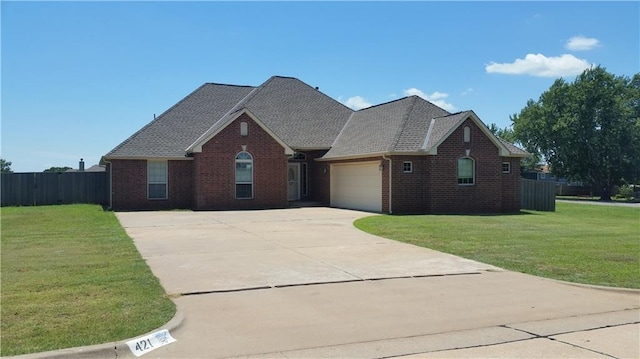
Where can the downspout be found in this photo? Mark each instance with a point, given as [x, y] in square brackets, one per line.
[384, 157]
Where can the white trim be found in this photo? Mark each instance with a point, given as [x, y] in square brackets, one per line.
[295, 165]
[473, 171]
[426, 139]
[213, 131]
[509, 165]
[235, 176]
[166, 180]
[410, 167]
[502, 150]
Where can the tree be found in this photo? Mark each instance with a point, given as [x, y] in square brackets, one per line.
[528, 163]
[5, 166]
[588, 130]
[57, 169]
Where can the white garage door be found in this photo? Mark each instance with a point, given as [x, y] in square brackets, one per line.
[357, 186]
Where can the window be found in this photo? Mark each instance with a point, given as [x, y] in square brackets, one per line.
[244, 129]
[466, 171]
[467, 134]
[157, 179]
[506, 167]
[300, 156]
[407, 167]
[244, 176]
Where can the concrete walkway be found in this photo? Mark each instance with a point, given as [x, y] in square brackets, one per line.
[304, 283]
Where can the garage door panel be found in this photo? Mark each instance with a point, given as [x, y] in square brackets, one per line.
[357, 186]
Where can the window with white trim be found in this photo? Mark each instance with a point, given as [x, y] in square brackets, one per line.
[506, 167]
[157, 179]
[467, 134]
[244, 175]
[466, 171]
[407, 167]
[244, 129]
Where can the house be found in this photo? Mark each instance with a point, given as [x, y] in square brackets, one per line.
[228, 147]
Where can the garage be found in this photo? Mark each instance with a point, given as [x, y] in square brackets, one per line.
[357, 186]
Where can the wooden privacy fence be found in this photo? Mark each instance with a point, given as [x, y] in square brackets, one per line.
[537, 195]
[43, 188]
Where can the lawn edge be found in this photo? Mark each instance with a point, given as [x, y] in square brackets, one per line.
[117, 349]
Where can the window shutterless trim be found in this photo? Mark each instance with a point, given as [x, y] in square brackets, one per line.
[165, 182]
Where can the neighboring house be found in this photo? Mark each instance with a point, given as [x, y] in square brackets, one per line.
[227, 147]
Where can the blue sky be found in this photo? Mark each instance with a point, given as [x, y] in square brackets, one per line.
[78, 78]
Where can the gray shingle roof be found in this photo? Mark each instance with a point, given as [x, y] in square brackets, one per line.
[441, 126]
[297, 113]
[300, 116]
[396, 126]
[173, 131]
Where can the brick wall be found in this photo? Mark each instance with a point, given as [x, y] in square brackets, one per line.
[486, 195]
[511, 186]
[214, 169]
[129, 186]
[410, 192]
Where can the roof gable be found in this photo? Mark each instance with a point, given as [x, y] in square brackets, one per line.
[226, 121]
[302, 116]
[169, 134]
[442, 127]
[396, 126]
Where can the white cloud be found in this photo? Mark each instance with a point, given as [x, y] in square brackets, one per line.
[436, 98]
[357, 102]
[581, 43]
[540, 65]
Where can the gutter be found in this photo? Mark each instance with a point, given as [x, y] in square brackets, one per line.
[384, 157]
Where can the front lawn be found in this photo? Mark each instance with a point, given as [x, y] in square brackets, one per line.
[72, 277]
[579, 243]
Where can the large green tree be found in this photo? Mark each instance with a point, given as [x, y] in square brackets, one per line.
[587, 130]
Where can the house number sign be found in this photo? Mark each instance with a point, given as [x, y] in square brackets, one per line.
[150, 342]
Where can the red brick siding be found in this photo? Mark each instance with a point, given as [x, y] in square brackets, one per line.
[410, 194]
[129, 186]
[511, 186]
[485, 196]
[214, 169]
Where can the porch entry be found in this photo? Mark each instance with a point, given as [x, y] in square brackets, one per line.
[293, 177]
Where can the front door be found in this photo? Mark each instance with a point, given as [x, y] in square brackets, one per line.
[293, 176]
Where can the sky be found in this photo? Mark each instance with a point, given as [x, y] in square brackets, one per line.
[78, 78]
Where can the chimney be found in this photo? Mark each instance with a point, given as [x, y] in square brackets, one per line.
[81, 166]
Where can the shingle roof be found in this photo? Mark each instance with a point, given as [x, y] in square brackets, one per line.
[396, 126]
[173, 131]
[301, 117]
[297, 113]
[441, 126]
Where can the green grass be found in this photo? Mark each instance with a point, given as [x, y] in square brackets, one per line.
[580, 243]
[71, 277]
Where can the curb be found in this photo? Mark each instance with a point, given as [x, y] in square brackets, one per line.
[117, 349]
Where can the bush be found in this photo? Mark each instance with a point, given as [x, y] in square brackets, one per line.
[625, 192]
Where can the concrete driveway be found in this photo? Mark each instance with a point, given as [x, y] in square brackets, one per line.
[304, 282]
[195, 252]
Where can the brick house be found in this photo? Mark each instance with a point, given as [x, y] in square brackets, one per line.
[241, 147]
